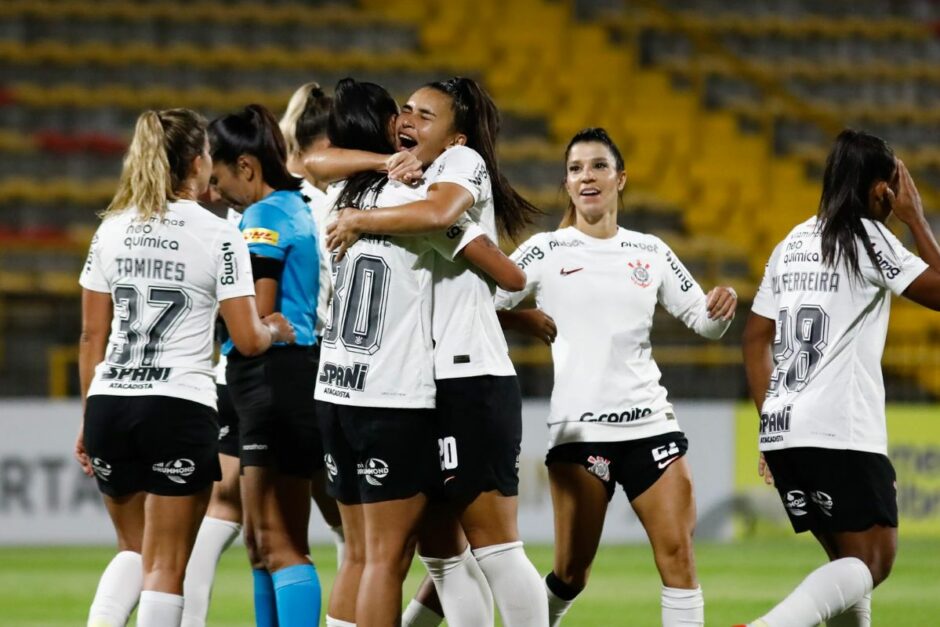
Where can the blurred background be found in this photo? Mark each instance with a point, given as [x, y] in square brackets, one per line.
[724, 111]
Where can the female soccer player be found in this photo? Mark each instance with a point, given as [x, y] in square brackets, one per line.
[812, 352]
[158, 268]
[279, 443]
[454, 125]
[610, 421]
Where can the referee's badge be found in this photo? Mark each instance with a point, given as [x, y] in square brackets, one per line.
[600, 466]
[641, 273]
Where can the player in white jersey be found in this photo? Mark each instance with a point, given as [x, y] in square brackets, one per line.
[157, 272]
[450, 126]
[812, 350]
[610, 420]
[304, 129]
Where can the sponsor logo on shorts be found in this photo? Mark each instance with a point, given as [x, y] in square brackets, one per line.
[254, 447]
[344, 377]
[374, 470]
[641, 273]
[600, 466]
[625, 415]
[224, 431]
[102, 468]
[796, 502]
[331, 469]
[823, 501]
[665, 454]
[261, 236]
[177, 470]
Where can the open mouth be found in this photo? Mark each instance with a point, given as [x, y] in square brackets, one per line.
[407, 143]
[590, 192]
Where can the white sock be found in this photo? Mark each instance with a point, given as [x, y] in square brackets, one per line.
[557, 607]
[419, 615]
[339, 539]
[215, 535]
[159, 609]
[516, 585]
[118, 591]
[828, 591]
[463, 590]
[859, 615]
[683, 608]
[335, 622]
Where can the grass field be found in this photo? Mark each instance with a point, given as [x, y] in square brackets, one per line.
[54, 586]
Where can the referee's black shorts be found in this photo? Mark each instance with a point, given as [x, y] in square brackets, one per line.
[157, 444]
[273, 395]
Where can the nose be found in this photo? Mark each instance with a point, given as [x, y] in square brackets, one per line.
[404, 120]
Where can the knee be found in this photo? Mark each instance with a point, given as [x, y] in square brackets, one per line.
[676, 562]
[574, 574]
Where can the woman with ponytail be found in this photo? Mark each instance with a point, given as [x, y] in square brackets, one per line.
[610, 420]
[812, 352]
[159, 268]
[279, 446]
[469, 541]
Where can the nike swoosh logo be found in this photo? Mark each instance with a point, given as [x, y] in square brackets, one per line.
[567, 272]
[667, 462]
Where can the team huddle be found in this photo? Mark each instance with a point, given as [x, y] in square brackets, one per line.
[346, 260]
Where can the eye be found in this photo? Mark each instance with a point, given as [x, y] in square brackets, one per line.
[601, 165]
[574, 168]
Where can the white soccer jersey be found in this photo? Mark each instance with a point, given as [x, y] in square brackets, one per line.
[166, 278]
[827, 389]
[602, 294]
[319, 204]
[468, 340]
[235, 218]
[376, 347]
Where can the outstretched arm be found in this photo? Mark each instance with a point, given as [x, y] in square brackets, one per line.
[332, 164]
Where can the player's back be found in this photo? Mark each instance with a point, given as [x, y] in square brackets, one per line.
[377, 349]
[165, 277]
[827, 388]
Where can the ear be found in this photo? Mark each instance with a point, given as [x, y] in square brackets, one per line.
[459, 140]
[621, 181]
[245, 168]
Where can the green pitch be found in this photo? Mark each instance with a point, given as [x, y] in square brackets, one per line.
[50, 587]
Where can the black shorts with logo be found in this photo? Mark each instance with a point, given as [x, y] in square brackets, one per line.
[157, 444]
[273, 395]
[228, 422]
[634, 464]
[835, 490]
[479, 435]
[377, 454]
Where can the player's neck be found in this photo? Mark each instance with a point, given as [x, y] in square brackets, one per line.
[604, 227]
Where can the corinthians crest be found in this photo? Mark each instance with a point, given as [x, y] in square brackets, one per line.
[600, 466]
[641, 273]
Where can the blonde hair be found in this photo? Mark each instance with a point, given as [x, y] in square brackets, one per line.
[158, 161]
[295, 108]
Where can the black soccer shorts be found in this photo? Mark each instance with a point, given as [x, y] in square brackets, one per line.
[228, 422]
[835, 490]
[634, 464]
[157, 444]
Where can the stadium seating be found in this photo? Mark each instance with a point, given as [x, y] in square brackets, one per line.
[723, 110]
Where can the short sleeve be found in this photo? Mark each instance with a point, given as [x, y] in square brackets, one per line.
[465, 167]
[93, 277]
[233, 266]
[530, 258]
[449, 243]
[266, 229]
[897, 266]
[764, 304]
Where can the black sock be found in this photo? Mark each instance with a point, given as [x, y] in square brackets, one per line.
[559, 588]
